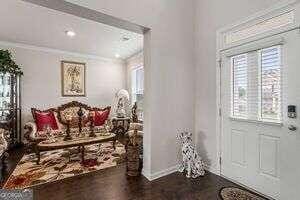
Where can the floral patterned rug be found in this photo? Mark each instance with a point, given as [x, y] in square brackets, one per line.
[233, 193]
[65, 163]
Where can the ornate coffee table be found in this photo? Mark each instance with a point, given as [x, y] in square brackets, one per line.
[80, 142]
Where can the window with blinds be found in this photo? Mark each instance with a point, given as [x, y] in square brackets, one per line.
[270, 83]
[256, 85]
[137, 84]
[137, 89]
[240, 83]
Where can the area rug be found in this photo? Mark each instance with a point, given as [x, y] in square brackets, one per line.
[233, 193]
[60, 164]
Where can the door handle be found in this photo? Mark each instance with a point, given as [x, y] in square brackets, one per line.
[292, 128]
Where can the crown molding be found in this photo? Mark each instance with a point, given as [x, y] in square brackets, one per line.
[57, 51]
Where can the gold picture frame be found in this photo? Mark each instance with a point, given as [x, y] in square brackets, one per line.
[73, 83]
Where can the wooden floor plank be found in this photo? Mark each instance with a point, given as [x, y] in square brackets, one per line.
[113, 184]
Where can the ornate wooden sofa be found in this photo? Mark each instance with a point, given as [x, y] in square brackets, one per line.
[33, 133]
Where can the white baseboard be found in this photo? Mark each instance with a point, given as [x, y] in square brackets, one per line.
[212, 170]
[146, 174]
[173, 169]
[160, 174]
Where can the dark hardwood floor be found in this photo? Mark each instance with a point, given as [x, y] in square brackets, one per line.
[113, 184]
[11, 162]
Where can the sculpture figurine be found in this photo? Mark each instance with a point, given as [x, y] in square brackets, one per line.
[80, 115]
[92, 132]
[68, 131]
[122, 103]
[192, 162]
[120, 111]
[134, 114]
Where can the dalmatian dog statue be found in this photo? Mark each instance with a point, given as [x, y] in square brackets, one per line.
[192, 162]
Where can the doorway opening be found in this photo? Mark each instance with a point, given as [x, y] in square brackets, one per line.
[83, 68]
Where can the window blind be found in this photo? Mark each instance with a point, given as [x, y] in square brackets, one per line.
[137, 89]
[256, 85]
[240, 83]
[137, 84]
[140, 80]
[270, 83]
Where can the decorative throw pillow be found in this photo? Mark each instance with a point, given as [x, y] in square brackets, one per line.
[44, 118]
[101, 116]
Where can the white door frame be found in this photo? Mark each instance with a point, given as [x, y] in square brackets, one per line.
[272, 12]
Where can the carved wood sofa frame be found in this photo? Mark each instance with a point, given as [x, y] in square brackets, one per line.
[30, 127]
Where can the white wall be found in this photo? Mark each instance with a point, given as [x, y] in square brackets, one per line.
[41, 83]
[169, 73]
[210, 16]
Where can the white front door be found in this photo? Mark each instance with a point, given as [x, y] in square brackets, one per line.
[258, 149]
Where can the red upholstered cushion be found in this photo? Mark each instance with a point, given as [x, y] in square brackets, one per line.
[101, 116]
[45, 118]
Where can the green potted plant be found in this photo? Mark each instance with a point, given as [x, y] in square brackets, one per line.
[7, 65]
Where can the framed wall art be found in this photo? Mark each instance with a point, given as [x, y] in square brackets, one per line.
[73, 78]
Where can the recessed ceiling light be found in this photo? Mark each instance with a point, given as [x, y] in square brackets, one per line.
[124, 39]
[117, 55]
[70, 33]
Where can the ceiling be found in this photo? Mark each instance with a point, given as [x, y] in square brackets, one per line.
[27, 23]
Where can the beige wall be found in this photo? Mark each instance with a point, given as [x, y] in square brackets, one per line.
[41, 83]
[180, 75]
[210, 16]
[169, 73]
